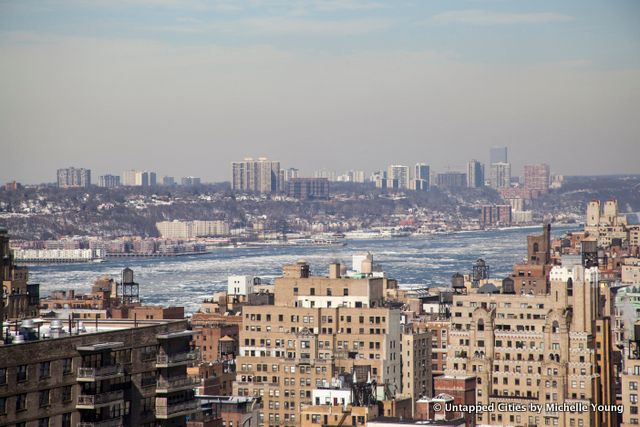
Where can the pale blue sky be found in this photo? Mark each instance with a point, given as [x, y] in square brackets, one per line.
[185, 86]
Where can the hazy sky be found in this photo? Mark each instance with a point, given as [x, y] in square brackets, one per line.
[182, 87]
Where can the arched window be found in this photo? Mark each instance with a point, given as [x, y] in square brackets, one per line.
[555, 327]
[480, 325]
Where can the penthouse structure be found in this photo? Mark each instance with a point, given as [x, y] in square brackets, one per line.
[526, 350]
[317, 328]
[531, 277]
[606, 224]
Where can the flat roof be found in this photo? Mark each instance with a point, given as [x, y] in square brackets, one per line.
[226, 399]
[100, 346]
[171, 335]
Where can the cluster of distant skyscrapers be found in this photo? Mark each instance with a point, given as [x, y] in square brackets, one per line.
[266, 176]
[80, 177]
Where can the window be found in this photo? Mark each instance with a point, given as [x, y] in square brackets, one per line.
[66, 420]
[21, 373]
[44, 398]
[43, 422]
[21, 402]
[345, 292]
[45, 370]
[67, 365]
[3, 405]
[3, 376]
[66, 393]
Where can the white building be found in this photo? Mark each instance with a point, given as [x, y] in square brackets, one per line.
[191, 229]
[500, 176]
[521, 217]
[240, 285]
[132, 178]
[398, 177]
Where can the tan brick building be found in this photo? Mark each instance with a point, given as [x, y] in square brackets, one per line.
[416, 362]
[532, 349]
[318, 327]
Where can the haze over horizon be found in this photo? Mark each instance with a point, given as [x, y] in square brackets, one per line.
[184, 87]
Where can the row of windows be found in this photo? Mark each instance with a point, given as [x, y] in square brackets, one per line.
[312, 291]
[294, 318]
[44, 399]
[43, 371]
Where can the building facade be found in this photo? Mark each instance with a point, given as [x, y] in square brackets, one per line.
[123, 374]
[452, 180]
[475, 174]
[256, 176]
[192, 229]
[493, 215]
[498, 155]
[317, 328]
[109, 181]
[397, 177]
[74, 178]
[500, 176]
[134, 178]
[530, 350]
[537, 177]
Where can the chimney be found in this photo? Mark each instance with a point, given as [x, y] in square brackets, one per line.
[334, 270]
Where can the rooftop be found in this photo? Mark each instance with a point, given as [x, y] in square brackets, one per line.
[100, 346]
[35, 330]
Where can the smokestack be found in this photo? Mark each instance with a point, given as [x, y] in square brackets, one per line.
[334, 270]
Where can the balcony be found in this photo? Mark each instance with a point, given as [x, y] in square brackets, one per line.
[114, 422]
[169, 360]
[93, 401]
[176, 384]
[176, 409]
[97, 374]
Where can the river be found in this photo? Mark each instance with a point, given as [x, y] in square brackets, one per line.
[186, 280]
